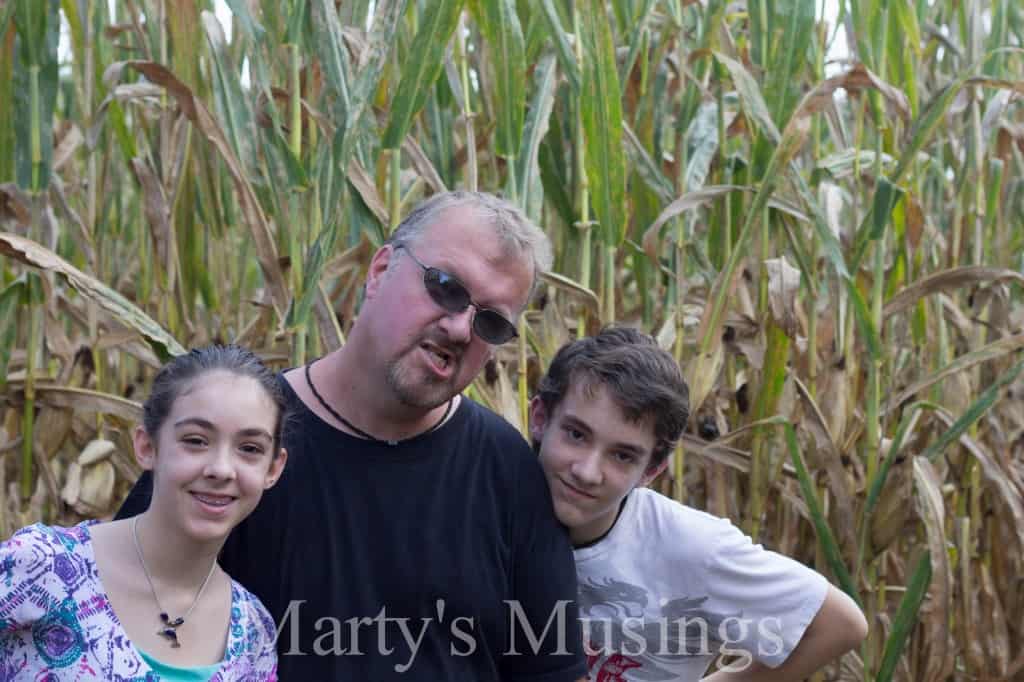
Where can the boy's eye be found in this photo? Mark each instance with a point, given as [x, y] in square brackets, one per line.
[573, 433]
[194, 441]
[624, 457]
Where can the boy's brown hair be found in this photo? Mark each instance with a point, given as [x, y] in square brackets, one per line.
[644, 381]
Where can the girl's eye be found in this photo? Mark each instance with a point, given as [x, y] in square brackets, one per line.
[251, 448]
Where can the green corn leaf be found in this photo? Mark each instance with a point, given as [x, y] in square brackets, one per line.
[7, 137]
[333, 57]
[826, 539]
[232, 101]
[635, 40]
[864, 321]
[783, 78]
[379, 43]
[504, 37]
[875, 491]
[296, 23]
[313, 267]
[37, 256]
[906, 617]
[6, 12]
[702, 141]
[975, 412]
[751, 98]
[782, 156]
[886, 196]
[562, 48]
[545, 83]
[251, 27]
[645, 166]
[421, 69]
[36, 81]
[602, 123]
[553, 179]
[10, 300]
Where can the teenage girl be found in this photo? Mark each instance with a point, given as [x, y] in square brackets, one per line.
[143, 598]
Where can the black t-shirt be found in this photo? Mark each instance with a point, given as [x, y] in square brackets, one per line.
[439, 558]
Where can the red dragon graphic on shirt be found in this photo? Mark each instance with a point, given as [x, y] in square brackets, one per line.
[612, 668]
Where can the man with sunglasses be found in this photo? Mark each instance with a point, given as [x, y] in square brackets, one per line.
[412, 534]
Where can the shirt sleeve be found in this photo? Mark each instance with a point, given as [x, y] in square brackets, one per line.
[766, 600]
[266, 662]
[260, 635]
[26, 562]
[545, 639]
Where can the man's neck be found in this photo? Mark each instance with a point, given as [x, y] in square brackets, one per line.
[340, 376]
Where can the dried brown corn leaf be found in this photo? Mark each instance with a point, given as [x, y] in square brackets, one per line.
[931, 509]
[51, 429]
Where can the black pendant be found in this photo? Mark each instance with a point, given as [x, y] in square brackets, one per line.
[171, 635]
[180, 620]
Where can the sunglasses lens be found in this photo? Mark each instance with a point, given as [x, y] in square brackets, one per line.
[492, 327]
[446, 291]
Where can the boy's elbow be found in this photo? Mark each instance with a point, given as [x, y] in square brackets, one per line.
[847, 621]
[858, 628]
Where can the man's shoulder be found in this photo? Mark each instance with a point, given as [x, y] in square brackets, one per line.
[483, 423]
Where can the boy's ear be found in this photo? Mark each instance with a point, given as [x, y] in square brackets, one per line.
[653, 472]
[538, 419]
[145, 449]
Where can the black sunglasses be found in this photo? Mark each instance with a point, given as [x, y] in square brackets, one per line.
[451, 294]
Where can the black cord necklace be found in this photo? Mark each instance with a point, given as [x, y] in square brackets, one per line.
[358, 431]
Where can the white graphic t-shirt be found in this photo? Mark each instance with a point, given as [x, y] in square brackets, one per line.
[669, 588]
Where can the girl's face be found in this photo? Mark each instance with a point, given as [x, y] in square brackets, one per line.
[213, 455]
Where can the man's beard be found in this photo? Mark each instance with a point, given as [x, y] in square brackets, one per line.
[421, 392]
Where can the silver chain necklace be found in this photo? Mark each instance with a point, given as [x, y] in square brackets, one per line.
[170, 629]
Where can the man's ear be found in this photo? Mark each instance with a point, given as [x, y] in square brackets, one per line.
[539, 419]
[145, 449]
[653, 472]
[275, 470]
[378, 267]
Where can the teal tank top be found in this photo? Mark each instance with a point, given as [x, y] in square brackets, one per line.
[171, 673]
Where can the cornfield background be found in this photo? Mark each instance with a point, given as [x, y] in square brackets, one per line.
[830, 240]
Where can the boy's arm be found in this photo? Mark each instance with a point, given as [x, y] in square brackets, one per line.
[838, 627]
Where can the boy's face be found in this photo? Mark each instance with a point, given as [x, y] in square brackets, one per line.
[592, 457]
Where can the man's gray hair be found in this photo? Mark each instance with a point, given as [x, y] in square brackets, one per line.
[519, 234]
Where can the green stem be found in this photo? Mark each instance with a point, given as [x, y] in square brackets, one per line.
[395, 189]
[582, 185]
[35, 141]
[609, 283]
[28, 416]
[513, 183]
[295, 102]
[467, 109]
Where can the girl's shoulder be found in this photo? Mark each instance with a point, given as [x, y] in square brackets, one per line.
[250, 619]
[39, 544]
[252, 637]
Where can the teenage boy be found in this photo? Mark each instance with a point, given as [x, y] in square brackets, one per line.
[663, 588]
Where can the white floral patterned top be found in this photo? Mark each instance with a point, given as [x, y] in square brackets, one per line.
[57, 625]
